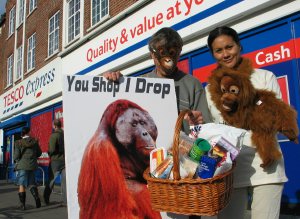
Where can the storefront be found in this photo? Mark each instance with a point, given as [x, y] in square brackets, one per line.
[270, 34]
[34, 102]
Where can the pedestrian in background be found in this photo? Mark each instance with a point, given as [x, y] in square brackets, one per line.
[56, 152]
[26, 153]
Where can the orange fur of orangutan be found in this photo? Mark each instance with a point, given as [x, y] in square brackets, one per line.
[253, 109]
[110, 184]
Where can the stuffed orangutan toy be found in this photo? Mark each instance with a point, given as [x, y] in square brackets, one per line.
[111, 184]
[243, 106]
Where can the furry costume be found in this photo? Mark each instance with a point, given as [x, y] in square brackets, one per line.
[110, 183]
[243, 106]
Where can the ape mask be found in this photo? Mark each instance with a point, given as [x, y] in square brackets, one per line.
[166, 47]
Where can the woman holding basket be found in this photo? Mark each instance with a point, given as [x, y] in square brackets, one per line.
[265, 184]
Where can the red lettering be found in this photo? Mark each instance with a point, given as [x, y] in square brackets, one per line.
[159, 18]
[14, 96]
[198, 2]
[177, 5]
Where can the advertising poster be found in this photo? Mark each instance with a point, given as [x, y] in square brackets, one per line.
[110, 129]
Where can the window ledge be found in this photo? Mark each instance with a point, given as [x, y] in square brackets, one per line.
[31, 12]
[72, 42]
[10, 36]
[8, 86]
[52, 55]
[104, 19]
[29, 70]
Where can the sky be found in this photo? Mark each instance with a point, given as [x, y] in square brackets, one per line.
[2, 6]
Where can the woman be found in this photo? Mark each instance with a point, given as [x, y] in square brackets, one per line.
[266, 184]
[27, 150]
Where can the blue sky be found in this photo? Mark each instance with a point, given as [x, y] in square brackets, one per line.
[2, 6]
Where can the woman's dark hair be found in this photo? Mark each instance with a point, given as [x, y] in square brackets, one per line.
[25, 131]
[171, 37]
[224, 30]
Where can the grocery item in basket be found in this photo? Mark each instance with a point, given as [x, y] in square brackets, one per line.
[162, 167]
[219, 151]
[224, 165]
[156, 157]
[207, 167]
[189, 166]
[185, 144]
[167, 171]
[200, 148]
[222, 142]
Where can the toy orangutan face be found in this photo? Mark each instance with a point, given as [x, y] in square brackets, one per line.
[137, 132]
[230, 96]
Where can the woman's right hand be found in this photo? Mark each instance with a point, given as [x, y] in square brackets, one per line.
[113, 75]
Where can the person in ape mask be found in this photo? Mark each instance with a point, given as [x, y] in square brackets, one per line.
[165, 47]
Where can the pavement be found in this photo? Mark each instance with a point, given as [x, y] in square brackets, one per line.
[9, 204]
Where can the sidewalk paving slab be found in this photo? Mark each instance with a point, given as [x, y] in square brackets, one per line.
[9, 204]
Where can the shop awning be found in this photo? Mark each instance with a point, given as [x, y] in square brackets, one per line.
[22, 118]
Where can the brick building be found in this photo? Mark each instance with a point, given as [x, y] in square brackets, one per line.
[40, 41]
[34, 36]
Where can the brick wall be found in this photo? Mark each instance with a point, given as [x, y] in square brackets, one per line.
[37, 22]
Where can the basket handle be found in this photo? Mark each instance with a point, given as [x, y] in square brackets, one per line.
[175, 147]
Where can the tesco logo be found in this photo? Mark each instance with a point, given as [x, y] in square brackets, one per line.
[14, 96]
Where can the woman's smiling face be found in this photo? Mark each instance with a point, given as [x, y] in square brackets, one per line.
[226, 51]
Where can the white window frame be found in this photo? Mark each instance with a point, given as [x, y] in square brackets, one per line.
[98, 12]
[53, 34]
[10, 65]
[73, 19]
[32, 5]
[19, 71]
[12, 17]
[20, 11]
[31, 52]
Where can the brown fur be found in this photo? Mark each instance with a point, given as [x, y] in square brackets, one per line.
[264, 120]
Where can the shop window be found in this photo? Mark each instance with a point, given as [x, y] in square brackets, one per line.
[41, 128]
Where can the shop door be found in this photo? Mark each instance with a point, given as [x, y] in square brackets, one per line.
[9, 140]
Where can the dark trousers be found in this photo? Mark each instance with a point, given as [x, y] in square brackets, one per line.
[63, 185]
[55, 169]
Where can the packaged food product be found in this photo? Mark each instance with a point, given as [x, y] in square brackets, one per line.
[156, 157]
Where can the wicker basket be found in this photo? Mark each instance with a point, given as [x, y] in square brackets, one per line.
[205, 197]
